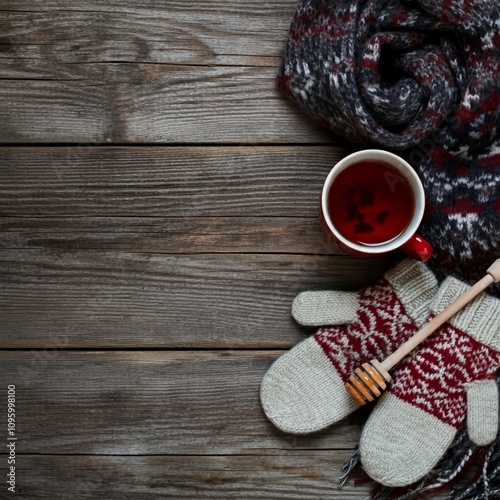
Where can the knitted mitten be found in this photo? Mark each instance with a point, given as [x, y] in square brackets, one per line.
[303, 391]
[415, 421]
[420, 77]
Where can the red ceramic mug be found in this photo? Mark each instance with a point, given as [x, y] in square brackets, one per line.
[372, 202]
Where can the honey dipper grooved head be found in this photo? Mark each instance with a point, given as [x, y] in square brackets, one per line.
[368, 382]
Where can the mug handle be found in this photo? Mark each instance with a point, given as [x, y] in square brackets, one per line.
[418, 248]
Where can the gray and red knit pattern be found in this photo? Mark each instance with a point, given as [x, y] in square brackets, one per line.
[434, 378]
[449, 379]
[382, 325]
[421, 78]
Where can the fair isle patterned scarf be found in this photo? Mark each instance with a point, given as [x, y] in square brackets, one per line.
[420, 78]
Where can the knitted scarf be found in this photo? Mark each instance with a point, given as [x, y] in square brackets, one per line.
[421, 78]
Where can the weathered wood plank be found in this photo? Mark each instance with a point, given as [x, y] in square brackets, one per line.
[298, 235]
[142, 403]
[54, 40]
[164, 181]
[155, 104]
[41, 111]
[257, 8]
[146, 73]
[296, 475]
[109, 299]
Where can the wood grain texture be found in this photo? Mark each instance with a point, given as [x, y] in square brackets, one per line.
[271, 181]
[293, 475]
[70, 36]
[41, 111]
[155, 104]
[143, 403]
[178, 235]
[124, 72]
[109, 299]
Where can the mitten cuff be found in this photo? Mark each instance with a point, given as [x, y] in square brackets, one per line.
[415, 285]
[480, 319]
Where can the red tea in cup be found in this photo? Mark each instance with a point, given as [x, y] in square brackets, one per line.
[371, 203]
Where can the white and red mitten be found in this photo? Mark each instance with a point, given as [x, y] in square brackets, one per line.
[303, 391]
[452, 374]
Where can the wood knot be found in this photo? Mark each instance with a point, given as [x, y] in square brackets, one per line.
[6, 45]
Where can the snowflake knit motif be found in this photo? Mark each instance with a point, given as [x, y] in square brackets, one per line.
[382, 325]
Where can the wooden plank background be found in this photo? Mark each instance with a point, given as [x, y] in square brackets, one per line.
[158, 202]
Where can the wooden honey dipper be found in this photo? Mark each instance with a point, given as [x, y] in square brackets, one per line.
[368, 382]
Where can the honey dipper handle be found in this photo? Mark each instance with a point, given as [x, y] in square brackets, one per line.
[492, 277]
